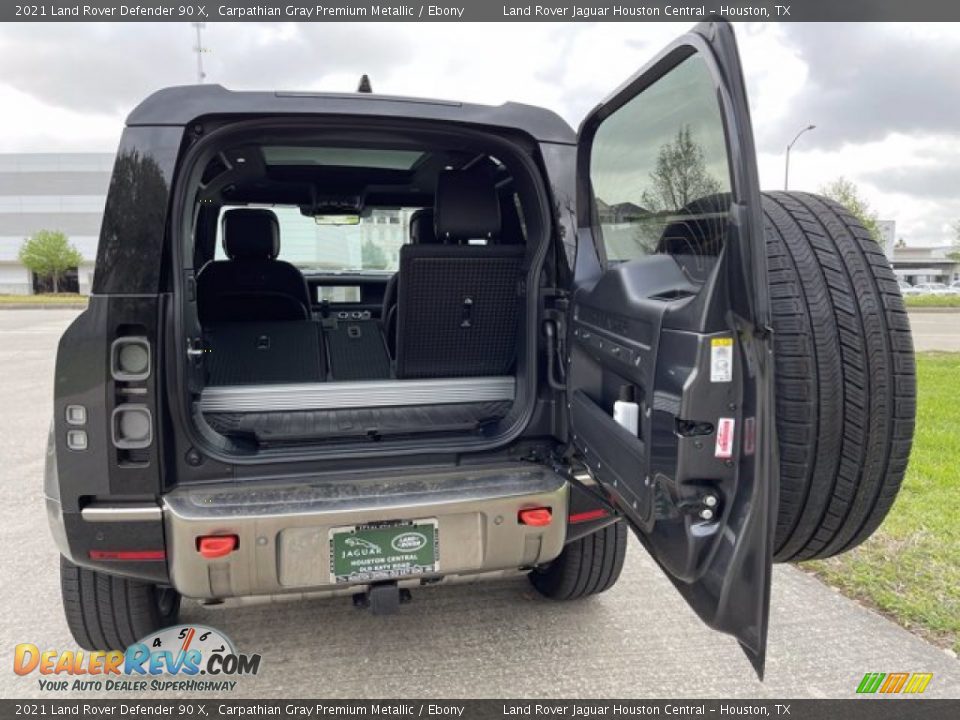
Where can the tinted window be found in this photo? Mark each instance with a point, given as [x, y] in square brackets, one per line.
[659, 170]
[372, 245]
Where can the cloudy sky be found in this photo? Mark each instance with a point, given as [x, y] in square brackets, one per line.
[885, 97]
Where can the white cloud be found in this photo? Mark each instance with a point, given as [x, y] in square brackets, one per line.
[73, 83]
[34, 125]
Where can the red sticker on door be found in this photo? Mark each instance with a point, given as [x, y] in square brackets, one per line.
[724, 447]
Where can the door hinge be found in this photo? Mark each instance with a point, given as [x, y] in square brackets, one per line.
[556, 369]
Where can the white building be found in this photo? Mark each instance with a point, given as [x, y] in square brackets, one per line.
[51, 191]
[926, 264]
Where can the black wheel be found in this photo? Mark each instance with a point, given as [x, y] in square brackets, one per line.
[586, 566]
[106, 612]
[845, 379]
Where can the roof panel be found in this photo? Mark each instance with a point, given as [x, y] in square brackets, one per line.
[181, 105]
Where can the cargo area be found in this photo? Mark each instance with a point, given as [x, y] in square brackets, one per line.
[361, 289]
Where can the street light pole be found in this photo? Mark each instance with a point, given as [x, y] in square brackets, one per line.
[786, 169]
[199, 50]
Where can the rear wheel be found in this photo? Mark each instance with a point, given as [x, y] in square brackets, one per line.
[844, 376]
[586, 566]
[106, 612]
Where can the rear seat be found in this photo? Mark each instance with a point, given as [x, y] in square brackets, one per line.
[457, 314]
[458, 305]
[421, 233]
[264, 352]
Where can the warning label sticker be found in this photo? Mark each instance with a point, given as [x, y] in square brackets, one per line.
[721, 359]
[724, 447]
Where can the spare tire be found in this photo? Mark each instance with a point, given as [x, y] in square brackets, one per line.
[844, 374]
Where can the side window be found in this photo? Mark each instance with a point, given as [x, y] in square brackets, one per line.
[660, 173]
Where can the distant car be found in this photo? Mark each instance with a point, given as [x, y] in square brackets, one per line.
[937, 289]
[906, 289]
[955, 285]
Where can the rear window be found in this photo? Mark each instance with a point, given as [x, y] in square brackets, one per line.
[659, 169]
[373, 245]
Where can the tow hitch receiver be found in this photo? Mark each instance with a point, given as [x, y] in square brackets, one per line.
[382, 598]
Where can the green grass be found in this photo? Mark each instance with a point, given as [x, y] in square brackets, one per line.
[952, 301]
[43, 299]
[910, 568]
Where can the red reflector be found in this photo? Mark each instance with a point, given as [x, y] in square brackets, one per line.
[587, 516]
[535, 517]
[128, 554]
[216, 546]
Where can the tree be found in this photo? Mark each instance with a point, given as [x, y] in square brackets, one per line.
[680, 175]
[47, 253]
[954, 254]
[373, 256]
[846, 193]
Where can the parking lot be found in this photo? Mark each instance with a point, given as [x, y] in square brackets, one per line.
[483, 640]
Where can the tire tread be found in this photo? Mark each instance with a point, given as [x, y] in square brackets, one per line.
[587, 566]
[845, 376]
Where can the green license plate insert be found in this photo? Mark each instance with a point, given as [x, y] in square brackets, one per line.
[384, 551]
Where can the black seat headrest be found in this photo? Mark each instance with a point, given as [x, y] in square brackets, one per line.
[421, 228]
[466, 206]
[251, 233]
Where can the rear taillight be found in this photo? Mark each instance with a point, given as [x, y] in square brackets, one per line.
[76, 417]
[130, 359]
[132, 426]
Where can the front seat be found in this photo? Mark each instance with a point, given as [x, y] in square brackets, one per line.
[421, 233]
[252, 284]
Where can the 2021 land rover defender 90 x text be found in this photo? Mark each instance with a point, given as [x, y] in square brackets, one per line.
[356, 344]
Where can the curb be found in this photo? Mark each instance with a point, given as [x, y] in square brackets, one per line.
[933, 310]
[43, 306]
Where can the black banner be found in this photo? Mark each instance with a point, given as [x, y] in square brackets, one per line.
[482, 11]
[862, 709]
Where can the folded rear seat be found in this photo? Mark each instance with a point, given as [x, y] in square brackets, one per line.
[264, 352]
[357, 350]
[458, 307]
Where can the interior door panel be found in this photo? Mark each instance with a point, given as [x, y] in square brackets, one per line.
[670, 319]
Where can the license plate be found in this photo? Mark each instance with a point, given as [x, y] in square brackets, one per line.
[367, 553]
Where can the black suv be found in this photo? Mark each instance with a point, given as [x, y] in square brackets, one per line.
[360, 344]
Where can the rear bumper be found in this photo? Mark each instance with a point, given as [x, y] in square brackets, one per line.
[283, 531]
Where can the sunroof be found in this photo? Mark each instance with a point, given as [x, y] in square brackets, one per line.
[341, 157]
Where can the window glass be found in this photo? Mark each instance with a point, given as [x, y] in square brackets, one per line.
[373, 245]
[341, 157]
[659, 170]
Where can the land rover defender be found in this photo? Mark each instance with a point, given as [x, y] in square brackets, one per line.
[360, 344]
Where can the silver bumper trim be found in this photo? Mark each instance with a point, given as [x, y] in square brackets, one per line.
[122, 513]
[368, 393]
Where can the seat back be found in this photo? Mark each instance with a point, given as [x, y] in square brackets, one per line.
[252, 285]
[458, 308]
[458, 311]
[421, 233]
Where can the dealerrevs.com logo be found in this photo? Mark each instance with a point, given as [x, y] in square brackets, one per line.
[191, 658]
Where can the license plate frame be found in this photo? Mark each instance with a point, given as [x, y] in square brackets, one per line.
[374, 552]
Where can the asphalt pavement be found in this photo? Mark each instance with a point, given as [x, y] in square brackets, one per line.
[937, 329]
[639, 640]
